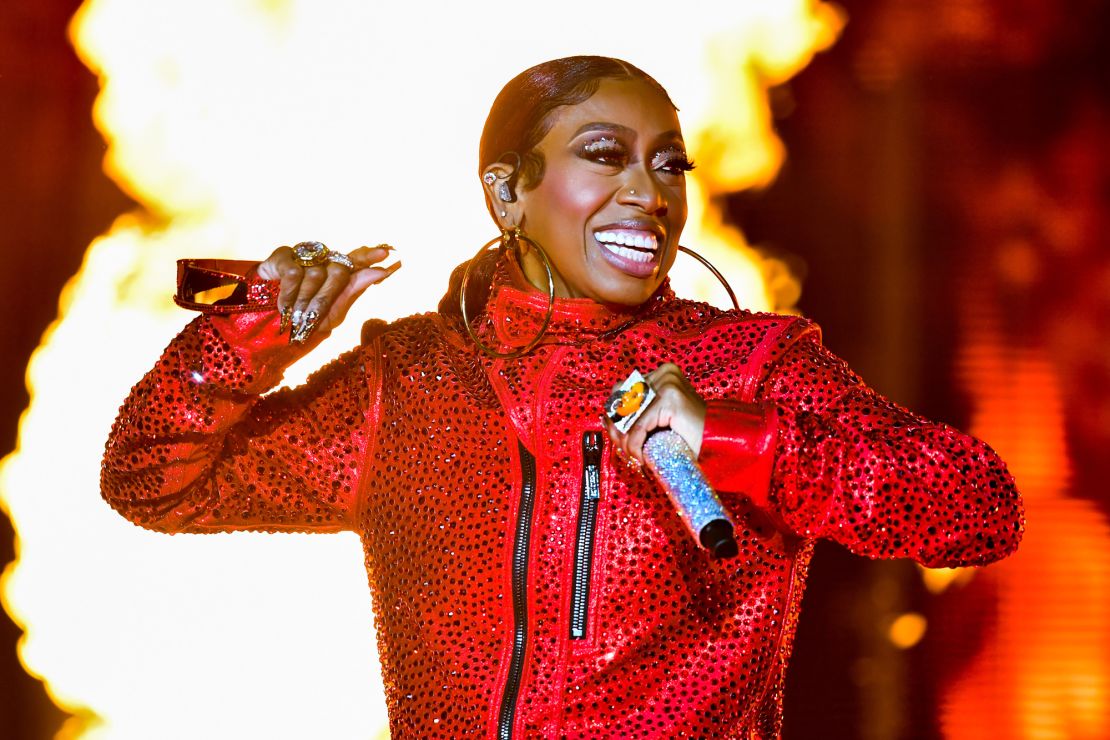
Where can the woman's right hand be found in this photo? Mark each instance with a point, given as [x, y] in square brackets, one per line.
[315, 300]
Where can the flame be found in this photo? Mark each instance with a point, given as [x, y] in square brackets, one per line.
[241, 125]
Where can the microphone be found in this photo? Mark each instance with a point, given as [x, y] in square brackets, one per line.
[674, 465]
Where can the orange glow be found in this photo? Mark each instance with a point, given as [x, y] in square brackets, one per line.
[907, 630]
[938, 580]
[239, 126]
[1042, 671]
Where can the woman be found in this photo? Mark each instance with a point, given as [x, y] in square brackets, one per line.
[527, 583]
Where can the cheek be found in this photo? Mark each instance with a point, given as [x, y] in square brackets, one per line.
[676, 206]
[569, 198]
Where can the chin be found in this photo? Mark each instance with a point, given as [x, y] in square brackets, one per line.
[628, 296]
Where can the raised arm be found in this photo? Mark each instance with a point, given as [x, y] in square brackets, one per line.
[196, 448]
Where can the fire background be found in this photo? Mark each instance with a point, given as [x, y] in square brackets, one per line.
[946, 203]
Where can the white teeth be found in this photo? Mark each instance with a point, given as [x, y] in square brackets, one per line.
[630, 254]
[628, 238]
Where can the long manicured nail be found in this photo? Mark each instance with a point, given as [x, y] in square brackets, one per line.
[389, 271]
[305, 327]
[286, 315]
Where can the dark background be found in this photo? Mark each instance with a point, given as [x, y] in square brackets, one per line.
[884, 206]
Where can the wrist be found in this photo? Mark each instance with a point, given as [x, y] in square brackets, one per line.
[246, 352]
[738, 447]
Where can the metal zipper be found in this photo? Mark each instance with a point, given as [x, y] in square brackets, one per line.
[587, 523]
[520, 592]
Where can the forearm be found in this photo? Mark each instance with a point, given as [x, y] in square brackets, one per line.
[886, 483]
[196, 448]
[173, 424]
[828, 457]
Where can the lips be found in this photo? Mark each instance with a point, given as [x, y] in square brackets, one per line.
[632, 248]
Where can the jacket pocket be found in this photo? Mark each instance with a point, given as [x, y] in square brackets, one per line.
[584, 539]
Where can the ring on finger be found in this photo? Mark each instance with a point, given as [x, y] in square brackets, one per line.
[629, 400]
[340, 259]
[311, 254]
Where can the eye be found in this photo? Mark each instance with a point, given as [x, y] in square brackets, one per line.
[673, 161]
[605, 151]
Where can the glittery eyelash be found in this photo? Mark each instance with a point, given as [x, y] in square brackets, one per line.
[604, 144]
[673, 157]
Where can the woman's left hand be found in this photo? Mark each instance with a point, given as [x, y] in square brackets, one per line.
[676, 406]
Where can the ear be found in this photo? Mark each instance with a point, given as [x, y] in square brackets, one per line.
[494, 179]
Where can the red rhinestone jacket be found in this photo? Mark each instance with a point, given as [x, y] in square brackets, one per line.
[525, 583]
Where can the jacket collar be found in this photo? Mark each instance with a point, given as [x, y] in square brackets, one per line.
[516, 309]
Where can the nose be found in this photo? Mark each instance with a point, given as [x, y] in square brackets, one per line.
[643, 192]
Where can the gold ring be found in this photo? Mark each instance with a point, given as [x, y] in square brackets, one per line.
[311, 254]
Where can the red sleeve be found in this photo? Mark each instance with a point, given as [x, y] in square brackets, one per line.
[853, 467]
[738, 447]
[196, 448]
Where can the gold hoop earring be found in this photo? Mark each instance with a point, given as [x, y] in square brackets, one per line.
[712, 269]
[508, 236]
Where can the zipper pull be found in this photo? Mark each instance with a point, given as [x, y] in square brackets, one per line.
[591, 463]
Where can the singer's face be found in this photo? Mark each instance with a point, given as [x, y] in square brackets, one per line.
[612, 201]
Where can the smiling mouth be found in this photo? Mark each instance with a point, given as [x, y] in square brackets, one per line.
[631, 248]
[635, 245]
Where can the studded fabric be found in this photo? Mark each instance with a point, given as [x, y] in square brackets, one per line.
[467, 477]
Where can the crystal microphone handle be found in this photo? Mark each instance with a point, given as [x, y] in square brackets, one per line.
[674, 465]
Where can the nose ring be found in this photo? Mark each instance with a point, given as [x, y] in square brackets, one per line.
[632, 191]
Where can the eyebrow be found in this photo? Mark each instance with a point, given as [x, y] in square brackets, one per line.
[625, 130]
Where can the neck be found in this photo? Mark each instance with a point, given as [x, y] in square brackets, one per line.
[535, 273]
[517, 307]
